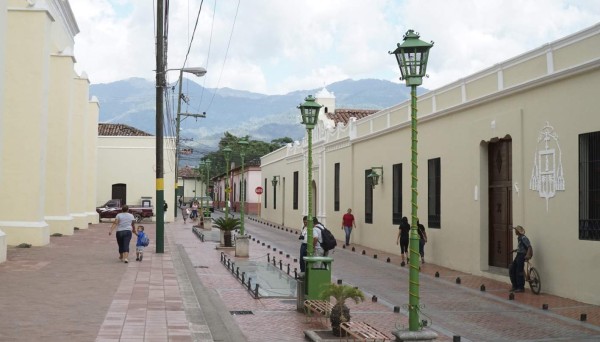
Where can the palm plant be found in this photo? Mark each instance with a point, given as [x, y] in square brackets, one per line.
[227, 225]
[340, 312]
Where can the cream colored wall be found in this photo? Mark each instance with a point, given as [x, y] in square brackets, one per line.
[60, 107]
[462, 122]
[78, 190]
[131, 161]
[24, 118]
[91, 160]
[2, 53]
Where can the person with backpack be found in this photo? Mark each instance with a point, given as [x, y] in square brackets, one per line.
[142, 241]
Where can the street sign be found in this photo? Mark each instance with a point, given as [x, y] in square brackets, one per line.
[259, 190]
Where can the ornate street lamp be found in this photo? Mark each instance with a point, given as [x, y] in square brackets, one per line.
[412, 57]
[310, 115]
[243, 145]
[227, 153]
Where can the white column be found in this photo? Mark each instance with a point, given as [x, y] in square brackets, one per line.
[23, 127]
[77, 157]
[60, 107]
[91, 159]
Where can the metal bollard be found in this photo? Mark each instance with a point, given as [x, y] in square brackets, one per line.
[288, 269]
[249, 283]
[237, 272]
[295, 273]
[243, 277]
[268, 257]
[280, 265]
[256, 291]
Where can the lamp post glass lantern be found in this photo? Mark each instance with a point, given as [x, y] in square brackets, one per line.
[412, 56]
[243, 145]
[227, 153]
[310, 115]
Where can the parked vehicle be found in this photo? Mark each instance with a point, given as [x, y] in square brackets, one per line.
[111, 208]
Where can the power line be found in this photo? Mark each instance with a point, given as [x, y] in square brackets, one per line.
[212, 26]
[226, 53]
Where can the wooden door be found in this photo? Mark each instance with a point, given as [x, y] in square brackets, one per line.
[119, 191]
[500, 202]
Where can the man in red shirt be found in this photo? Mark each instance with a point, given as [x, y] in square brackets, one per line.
[347, 224]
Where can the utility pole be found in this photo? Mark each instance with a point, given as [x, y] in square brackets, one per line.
[160, 83]
[198, 72]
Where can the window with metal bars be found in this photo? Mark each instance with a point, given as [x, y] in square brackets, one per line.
[589, 186]
[434, 182]
[368, 197]
[295, 201]
[397, 194]
[336, 187]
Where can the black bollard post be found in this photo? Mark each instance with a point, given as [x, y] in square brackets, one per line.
[288, 269]
[268, 257]
[458, 280]
[243, 277]
[295, 273]
[374, 299]
[249, 283]
[280, 265]
[482, 288]
[256, 291]
[583, 317]
[364, 252]
[237, 272]
[374, 256]
[388, 259]
[437, 274]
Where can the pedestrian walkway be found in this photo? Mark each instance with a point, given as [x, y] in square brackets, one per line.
[75, 288]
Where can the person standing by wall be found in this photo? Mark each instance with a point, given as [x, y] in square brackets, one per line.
[303, 245]
[422, 240]
[524, 252]
[402, 240]
[124, 222]
[348, 223]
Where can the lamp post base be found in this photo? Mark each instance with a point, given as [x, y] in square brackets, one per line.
[242, 246]
[421, 335]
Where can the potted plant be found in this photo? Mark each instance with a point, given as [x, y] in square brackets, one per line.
[227, 225]
[340, 312]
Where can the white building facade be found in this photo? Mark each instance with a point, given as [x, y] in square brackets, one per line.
[48, 165]
[515, 144]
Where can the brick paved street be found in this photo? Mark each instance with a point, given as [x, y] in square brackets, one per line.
[75, 288]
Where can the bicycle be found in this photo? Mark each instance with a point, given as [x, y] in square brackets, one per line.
[532, 276]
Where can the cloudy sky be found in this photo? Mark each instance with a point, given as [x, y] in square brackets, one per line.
[276, 46]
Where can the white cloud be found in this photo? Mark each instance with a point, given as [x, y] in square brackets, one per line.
[282, 46]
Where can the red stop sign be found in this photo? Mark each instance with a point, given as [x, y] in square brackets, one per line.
[258, 190]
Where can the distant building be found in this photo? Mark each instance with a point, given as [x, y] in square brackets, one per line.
[127, 166]
[515, 144]
[190, 183]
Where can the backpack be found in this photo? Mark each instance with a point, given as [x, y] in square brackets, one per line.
[145, 240]
[329, 242]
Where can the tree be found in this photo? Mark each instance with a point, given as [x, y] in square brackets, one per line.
[340, 312]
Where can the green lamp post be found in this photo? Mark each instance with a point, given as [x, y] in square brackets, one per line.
[412, 57]
[310, 115]
[208, 163]
[227, 153]
[243, 145]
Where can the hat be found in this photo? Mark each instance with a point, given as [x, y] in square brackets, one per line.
[520, 229]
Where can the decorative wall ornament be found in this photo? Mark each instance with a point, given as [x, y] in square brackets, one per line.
[547, 175]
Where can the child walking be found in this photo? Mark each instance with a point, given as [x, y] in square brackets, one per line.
[139, 245]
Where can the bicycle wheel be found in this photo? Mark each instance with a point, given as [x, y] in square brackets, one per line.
[534, 281]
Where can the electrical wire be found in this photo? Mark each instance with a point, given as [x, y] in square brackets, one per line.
[225, 59]
[212, 26]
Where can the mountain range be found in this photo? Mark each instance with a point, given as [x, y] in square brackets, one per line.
[262, 117]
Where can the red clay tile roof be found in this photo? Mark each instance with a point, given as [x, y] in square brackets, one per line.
[120, 130]
[344, 115]
[188, 172]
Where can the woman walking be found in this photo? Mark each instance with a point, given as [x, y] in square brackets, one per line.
[124, 222]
